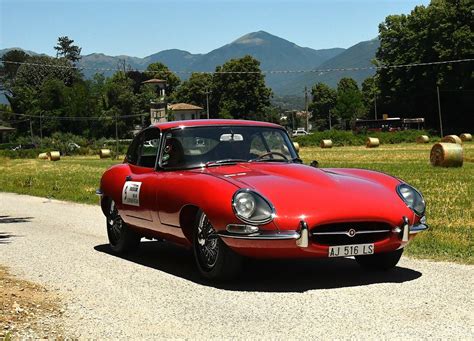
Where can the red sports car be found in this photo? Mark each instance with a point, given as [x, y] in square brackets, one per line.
[230, 189]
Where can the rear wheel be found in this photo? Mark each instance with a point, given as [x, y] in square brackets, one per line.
[380, 261]
[214, 259]
[121, 238]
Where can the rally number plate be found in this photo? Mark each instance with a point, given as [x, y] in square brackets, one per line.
[351, 250]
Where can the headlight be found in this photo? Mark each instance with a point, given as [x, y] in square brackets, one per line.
[251, 207]
[412, 198]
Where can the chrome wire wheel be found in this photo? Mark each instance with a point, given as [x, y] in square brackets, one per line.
[114, 224]
[207, 245]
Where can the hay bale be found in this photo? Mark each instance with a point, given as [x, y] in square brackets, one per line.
[422, 139]
[43, 156]
[451, 139]
[465, 137]
[54, 156]
[326, 144]
[372, 142]
[446, 155]
[297, 146]
[105, 153]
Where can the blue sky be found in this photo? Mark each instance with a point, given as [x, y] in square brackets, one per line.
[140, 28]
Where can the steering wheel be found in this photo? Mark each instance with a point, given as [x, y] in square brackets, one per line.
[271, 153]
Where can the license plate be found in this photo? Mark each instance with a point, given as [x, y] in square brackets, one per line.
[351, 250]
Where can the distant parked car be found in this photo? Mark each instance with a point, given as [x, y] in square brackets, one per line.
[300, 132]
[25, 146]
[73, 146]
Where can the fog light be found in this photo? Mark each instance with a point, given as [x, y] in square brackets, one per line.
[241, 229]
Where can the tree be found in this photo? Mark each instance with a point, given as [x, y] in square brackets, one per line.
[441, 31]
[67, 50]
[11, 61]
[161, 71]
[194, 89]
[238, 89]
[349, 103]
[322, 105]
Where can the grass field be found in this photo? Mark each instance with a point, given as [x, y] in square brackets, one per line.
[449, 192]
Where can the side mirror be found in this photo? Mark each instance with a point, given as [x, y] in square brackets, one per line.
[314, 164]
[297, 146]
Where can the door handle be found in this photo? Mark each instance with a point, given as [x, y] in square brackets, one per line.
[128, 178]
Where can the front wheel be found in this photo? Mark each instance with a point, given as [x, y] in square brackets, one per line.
[121, 238]
[380, 261]
[214, 259]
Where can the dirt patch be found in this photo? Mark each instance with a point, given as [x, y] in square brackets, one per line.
[28, 310]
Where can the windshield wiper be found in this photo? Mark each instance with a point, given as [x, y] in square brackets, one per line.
[297, 160]
[223, 162]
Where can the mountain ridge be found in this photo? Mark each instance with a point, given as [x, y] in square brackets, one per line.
[274, 53]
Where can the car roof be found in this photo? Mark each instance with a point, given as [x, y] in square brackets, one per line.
[213, 122]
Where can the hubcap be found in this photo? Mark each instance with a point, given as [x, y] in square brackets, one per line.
[114, 224]
[207, 243]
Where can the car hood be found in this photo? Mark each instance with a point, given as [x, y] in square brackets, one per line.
[319, 195]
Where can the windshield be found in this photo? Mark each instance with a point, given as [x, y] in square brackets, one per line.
[205, 146]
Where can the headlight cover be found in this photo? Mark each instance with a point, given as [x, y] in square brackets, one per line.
[412, 198]
[252, 208]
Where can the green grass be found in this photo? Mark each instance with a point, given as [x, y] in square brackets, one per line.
[448, 191]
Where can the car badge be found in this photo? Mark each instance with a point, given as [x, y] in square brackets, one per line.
[351, 233]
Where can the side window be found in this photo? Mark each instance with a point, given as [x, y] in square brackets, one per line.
[148, 148]
[132, 152]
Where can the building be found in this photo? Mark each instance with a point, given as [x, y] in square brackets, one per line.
[185, 111]
[3, 131]
[158, 112]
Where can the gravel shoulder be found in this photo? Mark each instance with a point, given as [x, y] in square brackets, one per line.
[158, 293]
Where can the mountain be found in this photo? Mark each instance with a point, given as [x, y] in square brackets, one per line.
[357, 56]
[273, 52]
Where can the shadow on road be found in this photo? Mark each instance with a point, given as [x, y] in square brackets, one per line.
[266, 275]
[5, 219]
[5, 237]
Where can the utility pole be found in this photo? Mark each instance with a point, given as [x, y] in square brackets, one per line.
[116, 137]
[439, 112]
[330, 125]
[375, 104]
[31, 130]
[306, 107]
[207, 101]
[41, 128]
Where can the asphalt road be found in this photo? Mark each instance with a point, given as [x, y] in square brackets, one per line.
[158, 293]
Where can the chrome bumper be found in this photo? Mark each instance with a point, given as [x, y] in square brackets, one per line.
[262, 235]
[301, 236]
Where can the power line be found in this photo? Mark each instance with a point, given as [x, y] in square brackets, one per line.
[380, 67]
[72, 118]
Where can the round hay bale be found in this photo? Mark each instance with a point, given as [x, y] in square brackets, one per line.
[465, 137]
[446, 155]
[372, 142]
[297, 146]
[43, 156]
[422, 139]
[105, 153]
[451, 139]
[54, 156]
[326, 144]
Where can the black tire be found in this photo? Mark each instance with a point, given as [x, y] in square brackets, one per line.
[214, 259]
[380, 261]
[122, 239]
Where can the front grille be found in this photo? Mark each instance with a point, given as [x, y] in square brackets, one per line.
[337, 234]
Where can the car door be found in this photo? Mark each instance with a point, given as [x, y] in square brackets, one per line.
[139, 187]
